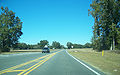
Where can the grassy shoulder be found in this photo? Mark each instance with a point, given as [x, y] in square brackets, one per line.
[25, 51]
[109, 63]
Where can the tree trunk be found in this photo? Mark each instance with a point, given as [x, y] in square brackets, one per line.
[0, 51]
[113, 43]
[111, 48]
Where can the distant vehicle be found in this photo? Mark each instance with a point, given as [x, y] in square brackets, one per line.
[46, 50]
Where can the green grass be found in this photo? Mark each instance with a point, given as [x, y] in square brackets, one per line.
[109, 63]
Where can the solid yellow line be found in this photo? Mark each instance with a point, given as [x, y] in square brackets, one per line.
[21, 64]
[14, 70]
[17, 66]
[32, 66]
[28, 68]
[37, 66]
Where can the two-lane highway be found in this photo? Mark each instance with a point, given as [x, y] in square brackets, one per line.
[54, 63]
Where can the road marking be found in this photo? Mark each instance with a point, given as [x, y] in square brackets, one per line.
[35, 66]
[84, 64]
[17, 66]
[14, 70]
[38, 65]
[11, 69]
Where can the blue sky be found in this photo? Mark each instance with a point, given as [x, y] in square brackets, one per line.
[53, 20]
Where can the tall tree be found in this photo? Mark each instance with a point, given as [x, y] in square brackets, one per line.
[69, 45]
[87, 45]
[10, 29]
[77, 46]
[43, 43]
[56, 45]
[106, 29]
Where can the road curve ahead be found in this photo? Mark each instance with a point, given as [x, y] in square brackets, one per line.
[56, 63]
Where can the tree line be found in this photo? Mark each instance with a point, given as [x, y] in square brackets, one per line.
[73, 46]
[40, 45]
[54, 45]
[106, 29]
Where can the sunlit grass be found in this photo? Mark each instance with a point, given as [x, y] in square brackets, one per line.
[109, 63]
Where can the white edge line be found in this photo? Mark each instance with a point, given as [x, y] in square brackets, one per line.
[83, 64]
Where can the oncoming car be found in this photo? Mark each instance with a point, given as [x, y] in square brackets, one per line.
[46, 50]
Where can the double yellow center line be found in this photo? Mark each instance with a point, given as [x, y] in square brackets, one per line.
[39, 61]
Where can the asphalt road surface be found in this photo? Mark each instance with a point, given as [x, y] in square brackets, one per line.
[54, 63]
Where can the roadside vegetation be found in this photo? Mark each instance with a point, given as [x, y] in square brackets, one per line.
[40, 45]
[106, 29]
[10, 29]
[109, 63]
[70, 45]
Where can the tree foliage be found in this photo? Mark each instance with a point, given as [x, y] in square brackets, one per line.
[23, 46]
[87, 45]
[56, 45]
[43, 43]
[69, 45]
[77, 46]
[10, 29]
[106, 29]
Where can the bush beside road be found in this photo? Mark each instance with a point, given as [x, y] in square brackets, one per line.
[109, 63]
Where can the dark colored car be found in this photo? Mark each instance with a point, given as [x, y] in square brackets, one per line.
[46, 50]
